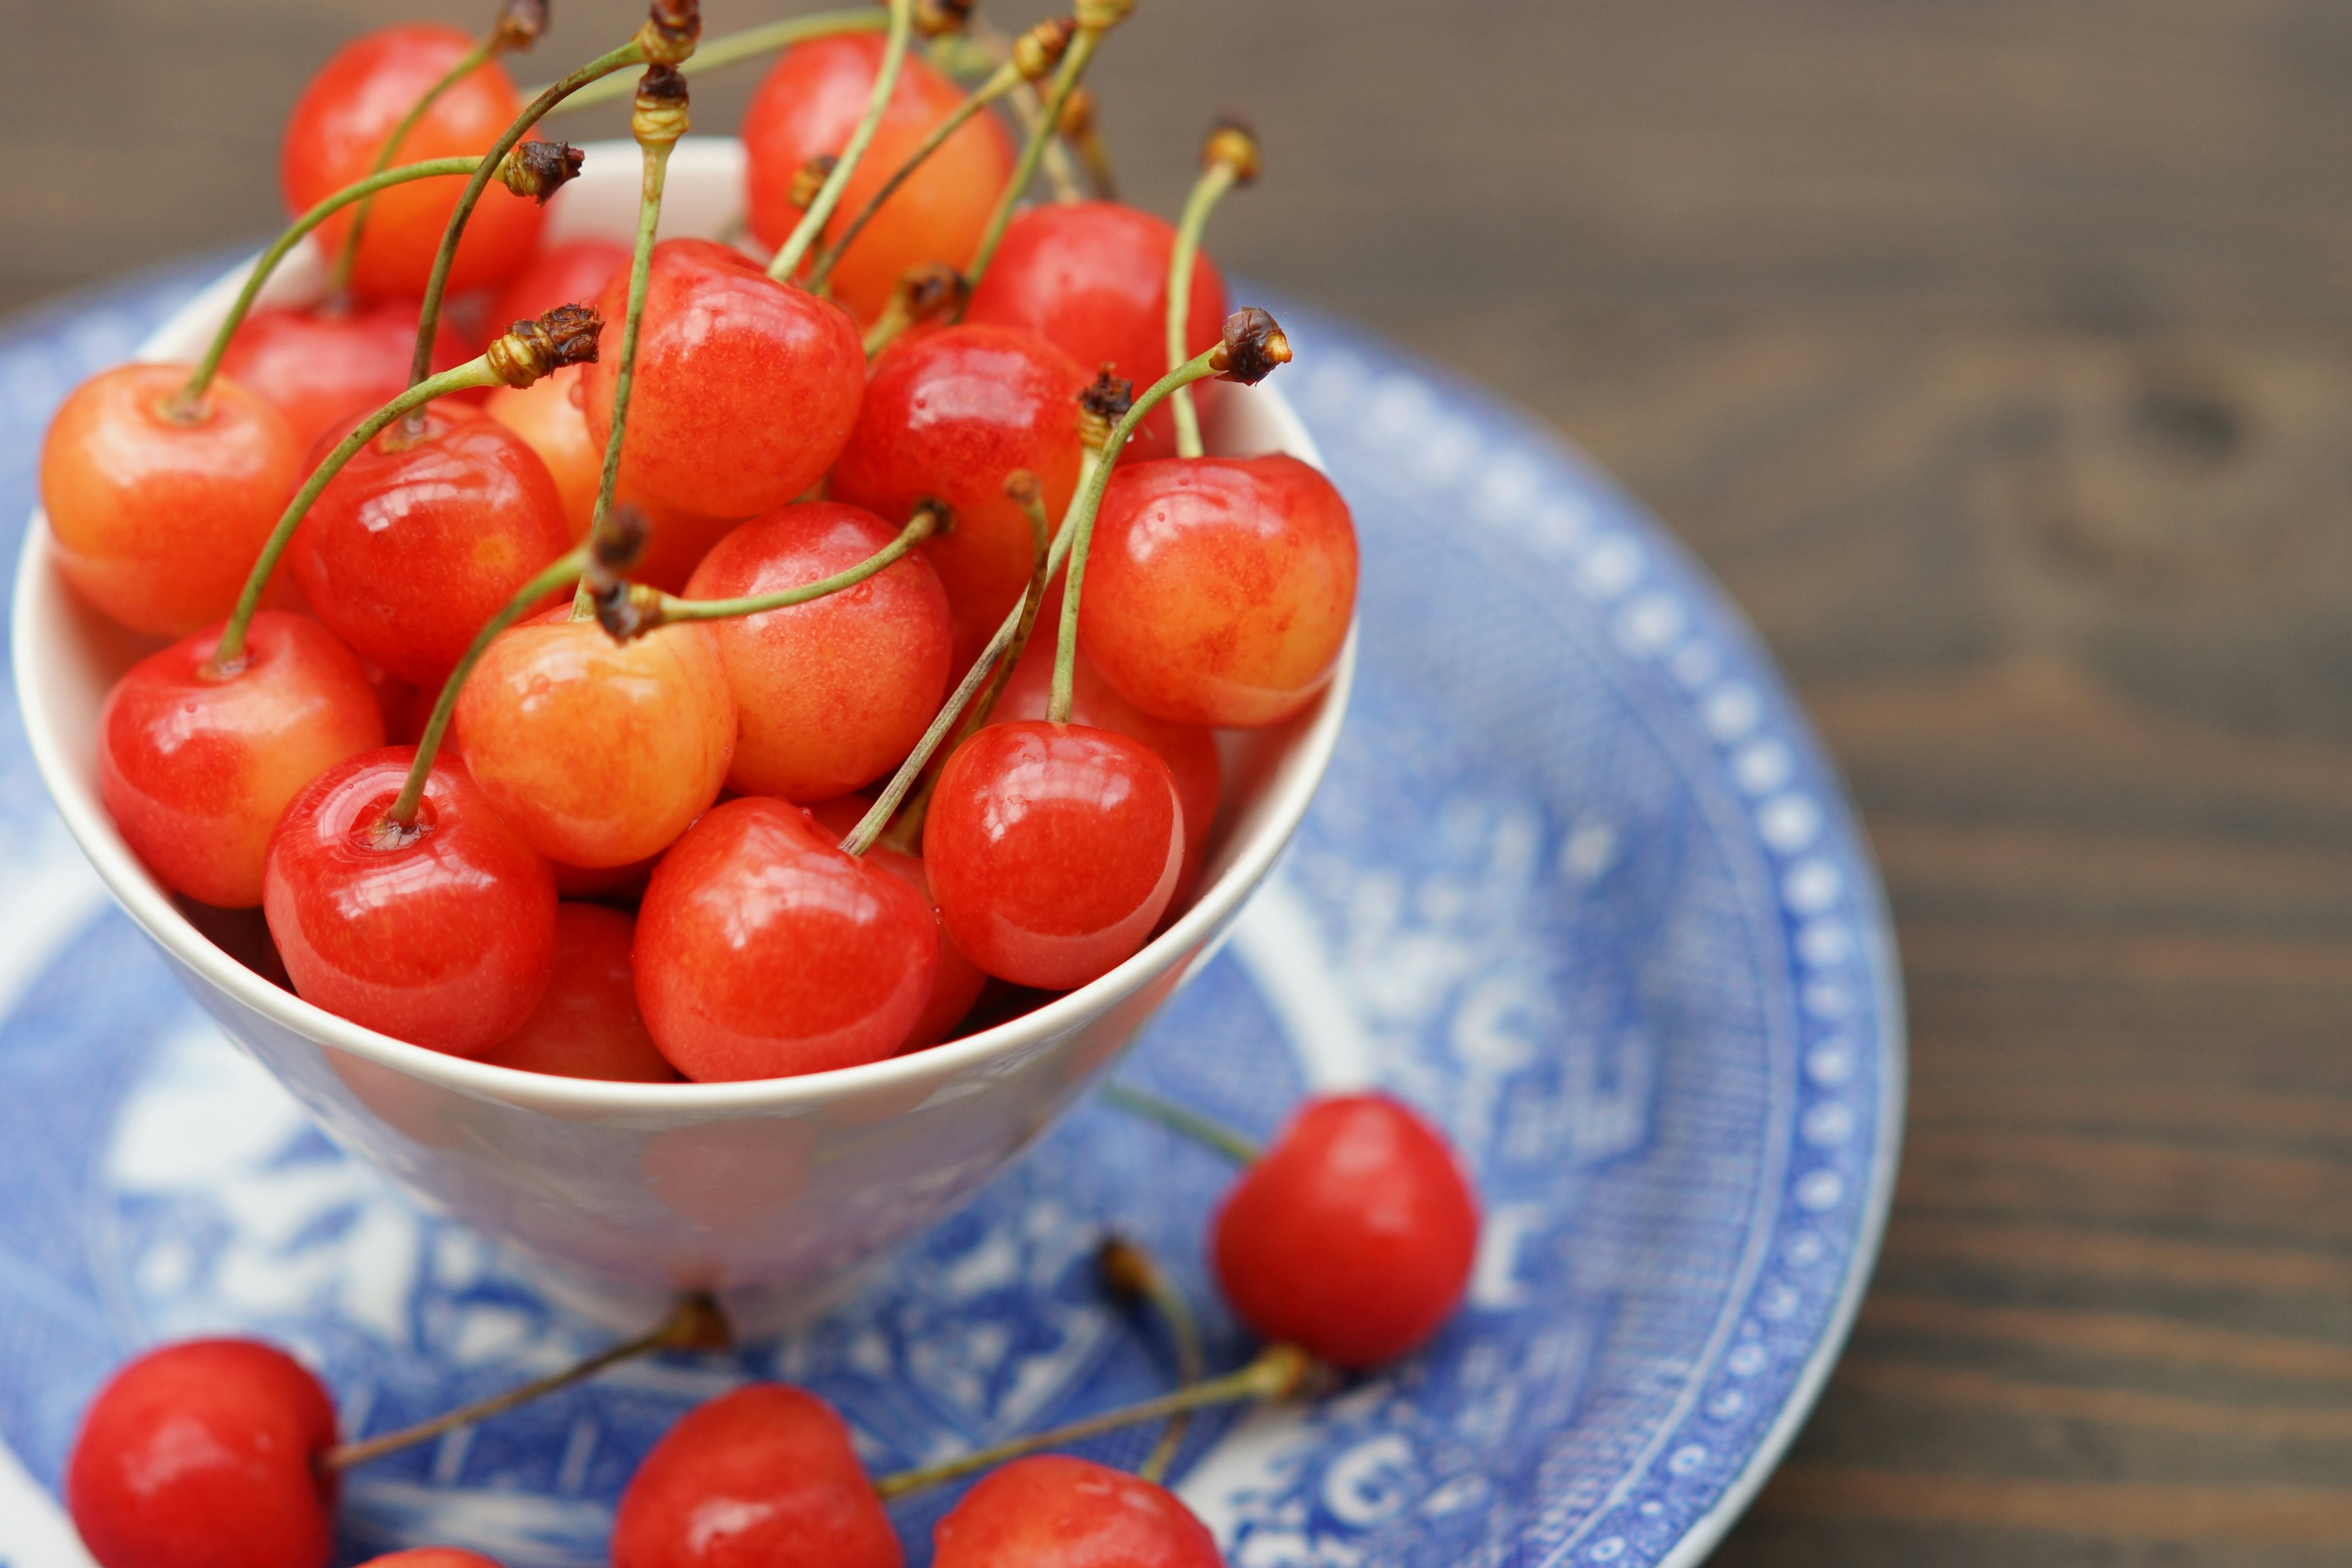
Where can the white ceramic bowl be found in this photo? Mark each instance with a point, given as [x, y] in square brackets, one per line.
[770, 1193]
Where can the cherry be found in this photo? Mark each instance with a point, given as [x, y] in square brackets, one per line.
[958, 982]
[573, 272]
[339, 125]
[763, 1475]
[423, 537]
[614, 884]
[1353, 1235]
[1219, 589]
[204, 1455]
[1053, 850]
[745, 389]
[442, 934]
[432, 1557]
[157, 515]
[764, 952]
[828, 694]
[807, 106]
[1053, 1510]
[196, 765]
[1091, 278]
[587, 1026]
[949, 415]
[598, 754]
[325, 367]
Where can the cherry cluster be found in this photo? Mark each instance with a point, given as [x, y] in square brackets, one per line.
[644, 689]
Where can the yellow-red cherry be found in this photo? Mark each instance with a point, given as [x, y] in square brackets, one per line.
[588, 1026]
[1055, 1511]
[432, 1557]
[329, 366]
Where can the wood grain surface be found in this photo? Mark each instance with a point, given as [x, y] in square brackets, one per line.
[1998, 355]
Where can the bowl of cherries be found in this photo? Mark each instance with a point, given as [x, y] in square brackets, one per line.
[689, 695]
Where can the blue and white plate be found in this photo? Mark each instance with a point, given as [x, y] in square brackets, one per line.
[1581, 883]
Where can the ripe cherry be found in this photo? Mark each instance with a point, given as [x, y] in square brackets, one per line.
[763, 1475]
[587, 1026]
[196, 765]
[1053, 850]
[596, 753]
[203, 1454]
[764, 952]
[1219, 589]
[745, 389]
[326, 367]
[1091, 278]
[432, 1557]
[339, 125]
[573, 272]
[441, 933]
[833, 692]
[807, 106]
[1353, 1235]
[422, 538]
[1052, 1511]
[948, 417]
[958, 982]
[157, 514]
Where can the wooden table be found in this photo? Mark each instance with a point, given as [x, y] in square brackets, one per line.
[1998, 356]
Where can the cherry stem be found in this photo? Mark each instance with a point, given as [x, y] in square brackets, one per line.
[978, 50]
[229, 654]
[828, 196]
[1278, 1372]
[735, 48]
[1042, 130]
[921, 526]
[1135, 1277]
[695, 1323]
[473, 59]
[1178, 1118]
[279, 248]
[1216, 180]
[554, 575]
[1006, 79]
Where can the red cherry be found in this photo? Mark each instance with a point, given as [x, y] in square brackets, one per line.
[571, 273]
[1352, 1237]
[432, 1557]
[1051, 1510]
[808, 104]
[1091, 278]
[157, 520]
[442, 934]
[745, 389]
[196, 767]
[612, 884]
[764, 952]
[1218, 590]
[1052, 849]
[958, 982]
[763, 1474]
[203, 1454]
[421, 539]
[587, 1026]
[598, 752]
[833, 692]
[948, 417]
[324, 368]
[339, 125]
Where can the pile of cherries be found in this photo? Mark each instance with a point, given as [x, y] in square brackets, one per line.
[528, 678]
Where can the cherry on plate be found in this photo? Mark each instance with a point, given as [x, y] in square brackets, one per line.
[1052, 1511]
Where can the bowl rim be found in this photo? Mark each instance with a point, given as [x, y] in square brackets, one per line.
[144, 900]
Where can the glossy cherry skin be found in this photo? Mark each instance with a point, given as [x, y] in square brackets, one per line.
[588, 1026]
[598, 754]
[339, 126]
[157, 520]
[810, 100]
[325, 368]
[1052, 849]
[833, 692]
[201, 1455]
[949, 417]
[1052, 1511]
[573, 272]
[443, 937]
[764, 952]
[764, 1475]
[1219, 589]
[1353, 1235]
[432, 1557]
[958, 982]
[1091, 278]
[196, 767]
[746, 388]
[422, 539]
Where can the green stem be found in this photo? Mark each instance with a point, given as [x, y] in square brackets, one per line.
[1177, 1119]
[467, 63]
[641, 270]
[1214, 182]
[734, 49]
[996, 86]
[554, 575]
[230, 651]
[1131, 1273]
[828, 196]
[1041, 132]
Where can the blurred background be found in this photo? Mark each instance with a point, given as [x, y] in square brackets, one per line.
[1997, 354]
